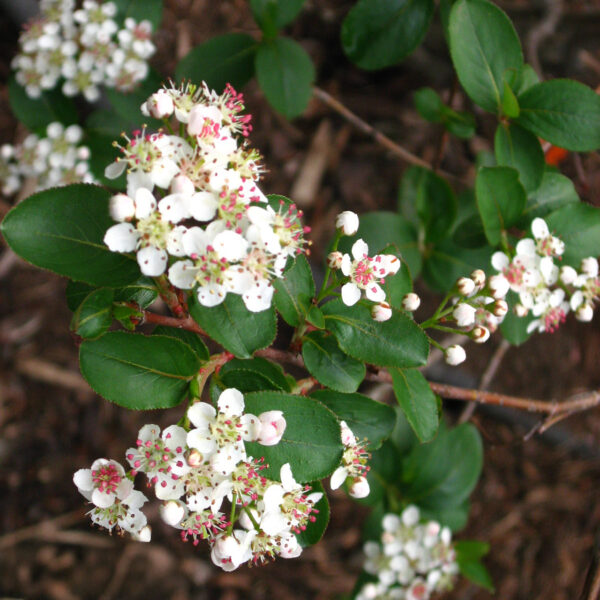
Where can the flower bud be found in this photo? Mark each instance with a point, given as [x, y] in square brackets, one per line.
[348, 438]
[381, 311]
[589, 266]
[568, 275]
[585, 313]
[411, 302]
[500, 308]
[144, 534]
[455, 355]
[172, 512]
[160, 105]
[520, 310]
[359, 488]
[195, 458]
[121, 207]
[272, 426]
[334, 260]
[465, 286]
[347, 221]
[480, 334]
[499, 286]
[464, 314]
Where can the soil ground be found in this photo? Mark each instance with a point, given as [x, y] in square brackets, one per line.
[537, 501]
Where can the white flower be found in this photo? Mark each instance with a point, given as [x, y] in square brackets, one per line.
[589, 266]
[464, 314]
[230, 551]
[272, 427]
[455, 355]
[104, 483]
[480, 334]
[347, 222]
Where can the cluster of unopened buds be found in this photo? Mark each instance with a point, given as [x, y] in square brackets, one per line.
[192, 205]
[354, 466]
[413, 560]
[55, 160]
[365, 274]
[546, 290]
[194, 472]
[84, 47]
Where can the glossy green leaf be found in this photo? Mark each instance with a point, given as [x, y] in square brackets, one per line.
[150, 10]
[513, 328]
[554, 192]
[397, 286]
[232, 325]
[93, 316]
[106, 123]
[314, 530]
[563, 112]
[193, 340]
[468, 557]
[458, 123]
[272, 15]
[500, 200]
[417, 401]
[428, 104]
[329, 365]
[61, 229]
[447, 262]
[253, 375]
[294, 292]
[470, 233]
[285, 74]
[578, 225]
[398, 342]
[363, 415]
[311, 442]
[484, 46]
[444, 472]
[223, 59]
[136, 371]
[518, 148]
[510, 104]
[37, 113]
[383, 229]
[142, 292]
[525, 78]
[379, 33]
[76, 293]
[384, 469]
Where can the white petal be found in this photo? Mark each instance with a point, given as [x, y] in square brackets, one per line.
[231, 402]
[182, 274]
[351, 294]
[102, 499]
[197, 439]
[121, 207]
[211, 294]
[174, 208]
[145, 203]
[121, 238]
[500, 261]
[152, 261]
[175, 241]
[360, 249]
[526, 247]
[194, 241]
[137, 180]
[115, 169]
[83, 479]
[549, 270]
[273, 497]
[237, 279]
[539, 229]
[201, 414]
[346, 265]
[258, 297]
[259, 216]
[338, 478]
[230, 245]
[203, 206]
[287, 479]
[374, 292]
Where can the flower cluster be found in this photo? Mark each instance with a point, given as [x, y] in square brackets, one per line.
[366, 274]
[55, 160]
[354, 465]
[84, 47]
[413, 561]
[546, 290]
[192, 205]
[194, 472]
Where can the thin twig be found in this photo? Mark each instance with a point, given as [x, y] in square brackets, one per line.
[379, 137]
[544, 29]
[51, 373]
[188, 323]
[40, 529]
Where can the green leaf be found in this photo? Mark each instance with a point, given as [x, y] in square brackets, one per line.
[365, 417]
[458, 123]
[314, 530]
[61, 229]
[398, 342]
[311, 442]
[484, 46]
[417, 401]
[477, 573]
[578, 225]
[525, 78]
[253, 375]
[566, 113]
[384, 466]
[554, 192]
[294, 292]
[223, 59]
[454, 517]
[127, 104]
[315, 317]
[381, 229]
[470, 549]
[500, 200]
[510, 104]
[379, 33]
[518, 148]
[232, 325]
[107, 124]
[329, 365]
[37, 113]
[469, 233]
[143, 292]
[397, 286]
[468, 556]
[272, 15]
[150, 10]
[193, 340]
[443, 473]
[447, 262]
[76, 293]
[513, 328]
[102, 153]
[285, 74]
[93, 317]
[428, 104]
[138, 372]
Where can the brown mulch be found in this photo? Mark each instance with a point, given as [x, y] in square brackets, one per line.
[536, 502]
